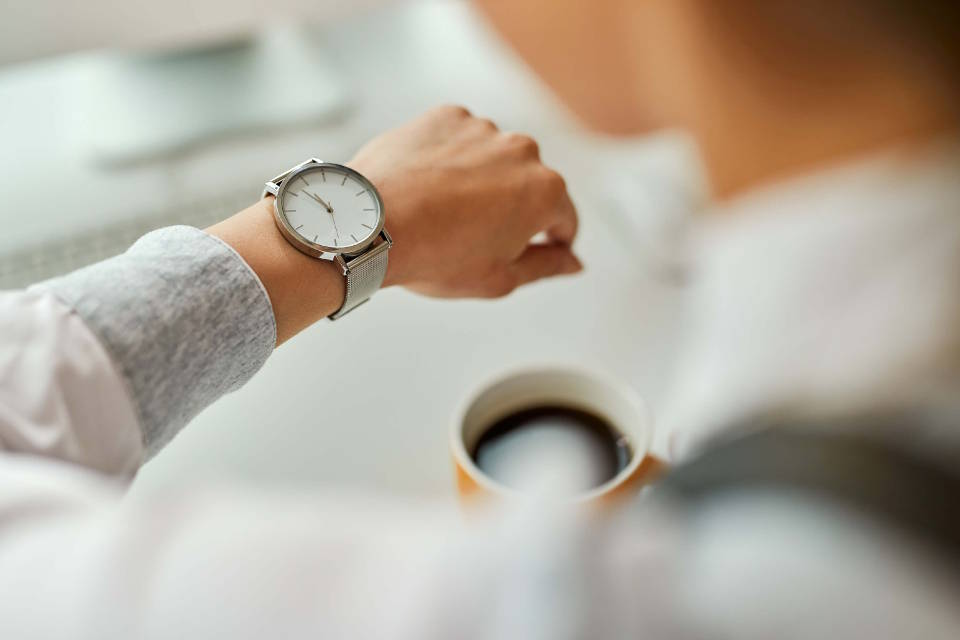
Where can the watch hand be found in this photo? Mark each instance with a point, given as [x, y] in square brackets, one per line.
[329, 210]
[320, 200]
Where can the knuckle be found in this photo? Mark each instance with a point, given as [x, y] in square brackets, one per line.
[554, 184]
[453, 111]
[523, 144]
[487, 124]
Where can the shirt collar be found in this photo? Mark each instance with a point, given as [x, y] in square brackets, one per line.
[830, 292]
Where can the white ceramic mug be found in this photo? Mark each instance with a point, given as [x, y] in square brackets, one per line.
[559, 385]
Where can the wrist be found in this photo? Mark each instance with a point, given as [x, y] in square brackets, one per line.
[302, 289]
[397, 273]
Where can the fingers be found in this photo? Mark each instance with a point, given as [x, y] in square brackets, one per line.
[557, 214]
[544, 261]
[563, 229]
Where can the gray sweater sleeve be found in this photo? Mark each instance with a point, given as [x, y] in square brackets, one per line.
[183, 316]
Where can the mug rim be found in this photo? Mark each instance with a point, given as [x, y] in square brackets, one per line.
[640, 438]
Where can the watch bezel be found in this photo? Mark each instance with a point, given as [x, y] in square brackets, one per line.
[312, 248]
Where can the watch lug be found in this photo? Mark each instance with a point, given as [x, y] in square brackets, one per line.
[350, 262]
[340, 262]
[280, 178]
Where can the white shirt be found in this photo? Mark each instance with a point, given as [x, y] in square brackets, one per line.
[826, 294]
[831, 292]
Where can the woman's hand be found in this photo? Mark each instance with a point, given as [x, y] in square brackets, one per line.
[462, 202]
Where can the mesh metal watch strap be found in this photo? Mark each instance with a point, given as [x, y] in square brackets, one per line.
[363, 279]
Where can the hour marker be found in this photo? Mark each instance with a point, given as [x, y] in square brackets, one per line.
[344, 181]
[298, 228]
[323, 175]
[335, 243]
[305, 181]
[289, 210]
[362, 192]
[292, 194]
[315, 238]
[369, 209]
[367, 226]
[354, 238]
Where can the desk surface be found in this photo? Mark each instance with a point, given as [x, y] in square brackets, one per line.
[297, 422]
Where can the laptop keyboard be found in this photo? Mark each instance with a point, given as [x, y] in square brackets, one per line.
[24, 266]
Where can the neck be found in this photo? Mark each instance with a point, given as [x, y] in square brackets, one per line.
[766, 147]
[765, 107]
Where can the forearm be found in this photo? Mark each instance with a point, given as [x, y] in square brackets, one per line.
[184, 320]
[172, 324]
[302, 289]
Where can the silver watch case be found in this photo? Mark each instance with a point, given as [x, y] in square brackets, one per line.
[345, 257]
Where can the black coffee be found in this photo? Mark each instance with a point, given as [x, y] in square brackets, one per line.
[552, 449]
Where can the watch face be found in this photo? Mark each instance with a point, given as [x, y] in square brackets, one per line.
[331, 208]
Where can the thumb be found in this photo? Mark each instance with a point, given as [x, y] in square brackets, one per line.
[545, 260]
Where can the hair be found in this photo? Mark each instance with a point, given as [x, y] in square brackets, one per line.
[932, 26]
[922, 33]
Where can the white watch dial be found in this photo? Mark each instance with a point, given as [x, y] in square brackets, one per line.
[332, 207]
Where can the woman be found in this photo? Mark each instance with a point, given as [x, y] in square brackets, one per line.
[826, 283]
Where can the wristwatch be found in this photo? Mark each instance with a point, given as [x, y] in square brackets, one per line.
[331, 212]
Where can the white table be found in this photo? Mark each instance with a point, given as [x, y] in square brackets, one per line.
[366, 403]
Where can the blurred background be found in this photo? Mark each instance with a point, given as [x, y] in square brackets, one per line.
[117, 118]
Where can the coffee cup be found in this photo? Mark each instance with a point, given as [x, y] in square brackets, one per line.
[559, 432]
